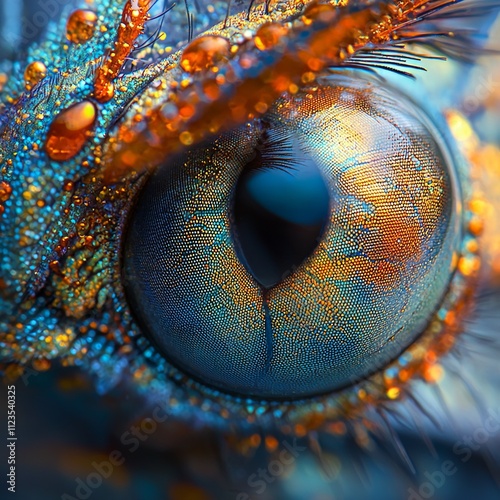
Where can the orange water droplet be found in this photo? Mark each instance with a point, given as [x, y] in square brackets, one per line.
[433, 373]
[393, 392]
[271, 443]
[319, 12]
[204, 53]
[211, 89]
[5, 191]
[41, 364]
[476, 226]
[68, 186]
[3, 80]
[55, 267]
[469, 266]
[81, 26]
[70, 130]
[269, 35]
[186, 138]
[34, 73]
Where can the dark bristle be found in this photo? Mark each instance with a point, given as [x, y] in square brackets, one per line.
[149, 38]
[431, 30]
[228, 12]
[274, 151]
[250, 9]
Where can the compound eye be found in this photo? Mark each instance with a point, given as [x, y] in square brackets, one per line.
[369, 211]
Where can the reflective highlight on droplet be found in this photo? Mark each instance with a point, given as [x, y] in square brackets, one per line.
[81, 26]
[70, 131]
[269, 35]
[204, 53]
[34, 73]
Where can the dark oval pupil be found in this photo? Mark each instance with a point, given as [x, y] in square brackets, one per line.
[281, 206]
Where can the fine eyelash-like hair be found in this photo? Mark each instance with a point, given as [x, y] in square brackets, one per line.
[273, 151]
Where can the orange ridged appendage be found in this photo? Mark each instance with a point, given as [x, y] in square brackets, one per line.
[135, 15]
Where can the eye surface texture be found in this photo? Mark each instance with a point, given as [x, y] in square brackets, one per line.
[366, 290]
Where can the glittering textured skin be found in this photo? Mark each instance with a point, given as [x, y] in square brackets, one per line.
[61, 294]
[366, 292]
[317, 37]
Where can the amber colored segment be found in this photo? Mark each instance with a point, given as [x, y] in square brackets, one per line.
[34, 73]
[433, 373]
[104, 92]
[204, 53]
[269, 35]
[81, 26]
[484, 221]
[70, 130]
[135, 14]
